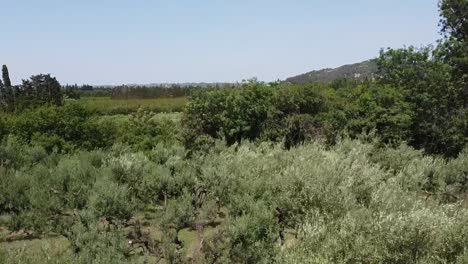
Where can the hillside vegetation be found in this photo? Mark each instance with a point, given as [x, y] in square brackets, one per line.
[359, 72]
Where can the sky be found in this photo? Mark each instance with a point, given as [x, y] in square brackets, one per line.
[103, 42]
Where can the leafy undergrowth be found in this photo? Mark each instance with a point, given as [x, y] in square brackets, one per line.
[352, 202]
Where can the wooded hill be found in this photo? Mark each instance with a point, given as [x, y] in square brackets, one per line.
[358, 71]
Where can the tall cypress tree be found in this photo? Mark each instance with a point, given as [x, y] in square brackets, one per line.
[2, 95]
[6, 76]
[9, 94]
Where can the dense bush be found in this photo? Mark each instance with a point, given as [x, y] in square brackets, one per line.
[3, 127]
[234, 114]
[91, 244]
[432, 94]
[296, 114]
[382, 108]
[255, 111]
[145, 130]
[111, 201]
[61, 128]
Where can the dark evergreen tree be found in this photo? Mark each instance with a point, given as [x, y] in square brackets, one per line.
[46, 89]
[2, 96]
[55, 90]
[28, 95]
[9, 92]
[6, 76]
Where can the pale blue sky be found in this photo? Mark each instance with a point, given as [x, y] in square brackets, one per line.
[147, 41]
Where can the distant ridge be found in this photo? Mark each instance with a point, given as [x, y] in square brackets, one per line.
[358, 71]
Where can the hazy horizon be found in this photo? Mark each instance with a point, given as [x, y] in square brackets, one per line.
[120, 42]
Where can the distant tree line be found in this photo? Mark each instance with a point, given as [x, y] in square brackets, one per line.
[123, 92]
[75, 91]
[39, 90]
[161, 91]
[144, 92]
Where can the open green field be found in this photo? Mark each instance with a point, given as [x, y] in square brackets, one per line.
[105, 105]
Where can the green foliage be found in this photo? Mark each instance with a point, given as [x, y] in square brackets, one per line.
[353, 202]
[41, 89]
[417, 99]
[145, 130]
[60, 128]
[111, 202]
[453, 18]
[70, 93]
[454, 49]
[296, 114]
[253, 237]
[301, 128]
[124, 188]
[2, 96]
[234, 114]
[434, 99]
[92, 242]
[39, 196]
[417, 236]
[14, 192]
[150, 182]
[252, 112]
[9, 92]
[6, 77]
[300, 100]
[179, 213]
[382, 108]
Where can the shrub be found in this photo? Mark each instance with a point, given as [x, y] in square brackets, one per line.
[13, 188]
[418, 235]
[91, 243]
[60, 128]
[234, 114]
[11, 153]
[3, 127]
[149, 182]
[290, 100]
[178, 213]
[253, 238]
[302, 128]
[145, 130]
[382, 108]
[111, 202]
